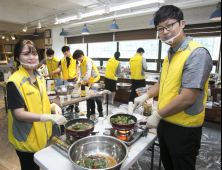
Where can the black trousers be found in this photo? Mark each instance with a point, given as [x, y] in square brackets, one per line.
[135, 85]
[98, 102]
[179, 146]
[27, 161]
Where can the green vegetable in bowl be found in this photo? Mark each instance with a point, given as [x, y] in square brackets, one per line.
[94, 162]
[121, 120]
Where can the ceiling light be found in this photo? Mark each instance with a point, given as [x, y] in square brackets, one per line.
[13, 37]
[115, 8]
[152, 22]
[25, 28]
[135, 4]
[7, 39]
[114, 26]
[79, 14]
[3, 37]
[217, 14]
[63, 32]
[85, 30]
[35, 33]
[39, 24]
[56, 20]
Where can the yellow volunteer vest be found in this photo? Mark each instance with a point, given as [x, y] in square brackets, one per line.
[29, 136]
[111, 68]
[52, 65]
[68, 73]
[136, 66]
[170, 87]
[94, 73]
[15, 63]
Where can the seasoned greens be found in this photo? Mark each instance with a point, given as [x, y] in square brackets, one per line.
[94, 162]
[121, 120]
[80, 126]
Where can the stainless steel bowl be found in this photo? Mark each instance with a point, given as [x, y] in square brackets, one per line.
[97, 86]
[61, 90]
[123, 86]
[98, 145]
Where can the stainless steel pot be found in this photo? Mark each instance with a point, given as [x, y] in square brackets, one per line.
[92, 145]
[98, 145]
[123, 86]
[97, 86]
[65, 89]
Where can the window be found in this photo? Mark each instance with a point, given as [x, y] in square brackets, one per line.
[97, 62]
[105, 63]
[102, 50]
[74, 47]
[152, 66]
[125, 64]
[129, 48]
[164, 50]
[212, 44]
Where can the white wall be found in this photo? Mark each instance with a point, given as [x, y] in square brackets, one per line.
[57, 42]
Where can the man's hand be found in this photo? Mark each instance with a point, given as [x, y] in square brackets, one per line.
[139, 101]
[154, 120]
[56, 109]
[58, 119]
[51, 74]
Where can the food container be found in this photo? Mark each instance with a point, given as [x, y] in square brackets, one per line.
[141, 91]
[79, 134]
[75, 94]
[51, 95]
[93, 145]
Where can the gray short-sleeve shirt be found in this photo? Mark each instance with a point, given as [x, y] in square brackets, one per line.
[197, 68]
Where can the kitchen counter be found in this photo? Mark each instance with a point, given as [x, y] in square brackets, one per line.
[150, 78]
[50, 159]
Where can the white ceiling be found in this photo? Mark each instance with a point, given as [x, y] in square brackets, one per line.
[15, 13]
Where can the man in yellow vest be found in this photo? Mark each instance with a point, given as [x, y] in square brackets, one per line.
[138, 67]
[51, 62]
[13, 64]
[69, 68]
[182, 90]
[91, 75]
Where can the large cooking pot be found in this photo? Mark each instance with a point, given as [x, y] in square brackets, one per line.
[123, 127]
[123, 86]
[79, 134]
[93, 145]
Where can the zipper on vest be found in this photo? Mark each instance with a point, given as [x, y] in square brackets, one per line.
[164, 83]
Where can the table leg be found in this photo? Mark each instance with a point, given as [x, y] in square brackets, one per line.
[62, 127]
[6, 107]
[152, 158]
[88, 108]
[107, 106]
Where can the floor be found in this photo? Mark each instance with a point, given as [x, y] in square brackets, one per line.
[209, 157]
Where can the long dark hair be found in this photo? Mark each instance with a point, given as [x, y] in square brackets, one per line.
[19, 47]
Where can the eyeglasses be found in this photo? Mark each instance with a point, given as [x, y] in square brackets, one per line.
[168, 28]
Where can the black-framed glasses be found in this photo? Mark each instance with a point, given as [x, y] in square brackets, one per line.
[168, 28]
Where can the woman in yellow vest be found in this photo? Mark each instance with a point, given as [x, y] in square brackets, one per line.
[113, 69]
[182, 90]
[51, 62]
[29, 109]
[90, 75]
